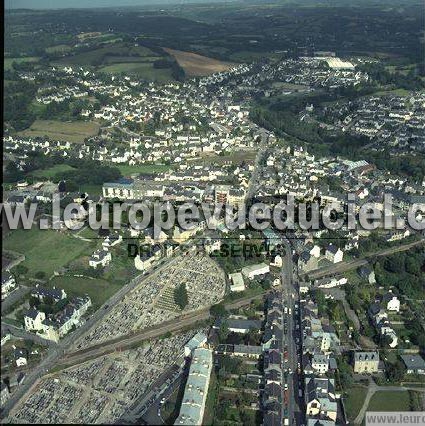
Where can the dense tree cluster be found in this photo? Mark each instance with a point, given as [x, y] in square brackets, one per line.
[405, 271]
[181, 298]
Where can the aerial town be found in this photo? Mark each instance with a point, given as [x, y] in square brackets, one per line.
[207, 323]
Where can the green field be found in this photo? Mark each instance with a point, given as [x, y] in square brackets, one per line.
[9, 61]
[45, 250]
[394, 92]
[98, 56]
[74, 131]
[97, 289]
[119, 59]
[52, 171]
[354, 400]
[142, 69]
[127, 170]
[91, 189]
[59, 48]
[390, 401]
[248, 56]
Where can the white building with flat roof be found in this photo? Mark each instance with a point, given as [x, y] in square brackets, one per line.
[195, 392]
[237, 282]
[252, 271]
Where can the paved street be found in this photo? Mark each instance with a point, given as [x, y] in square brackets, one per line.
[292, 339]
[14, 296]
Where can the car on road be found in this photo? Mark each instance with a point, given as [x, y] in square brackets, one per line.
[162, 401]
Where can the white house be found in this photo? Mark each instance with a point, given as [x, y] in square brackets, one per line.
[33, 320]
[20, 357]
[334, 254]
[391, 302]
[315, 251]
[320, 363]
[320, 398]
[111, 241]
[237, 282]
[100, 258]
[8, 284]
[144, 261]
[277, 261]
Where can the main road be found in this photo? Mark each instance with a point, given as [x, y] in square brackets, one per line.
[292, 339]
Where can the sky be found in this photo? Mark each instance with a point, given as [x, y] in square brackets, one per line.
[61, 4]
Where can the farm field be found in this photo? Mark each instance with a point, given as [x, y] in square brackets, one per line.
[143, 70]
[59, 48]
[99, 56]
[9, 61]
[97, 289]
[195, 65]
[45, 250]
[75, 131]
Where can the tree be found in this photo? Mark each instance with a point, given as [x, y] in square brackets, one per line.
[396, 372]
[218, 310]
[62, 186]
[180, 296]
[223, 332]
[21, 270]
[13, 173]
[34, 302]
[319, 298]
[48, 300]
[40, 275]
[413, 265]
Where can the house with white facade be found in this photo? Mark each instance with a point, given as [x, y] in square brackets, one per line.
[334, 254]
[100, 258]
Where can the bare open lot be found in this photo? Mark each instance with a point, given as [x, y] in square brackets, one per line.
[75, 131]
[194, 64]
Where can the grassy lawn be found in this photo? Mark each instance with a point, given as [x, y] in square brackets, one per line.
[211, 401]
[101, 55]
[9, 61]
[91, 189]
[142, 69]
[45, 250]
[354, 401]
[121, 270]
[99, 290]
[390, 401]
[75, 131]
[127, 170]
[59, 48]
[52, 171]
[395, 92]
